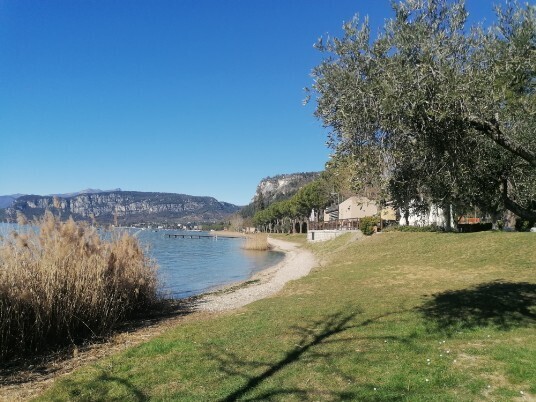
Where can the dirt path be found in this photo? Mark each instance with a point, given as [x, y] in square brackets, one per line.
[297, 263]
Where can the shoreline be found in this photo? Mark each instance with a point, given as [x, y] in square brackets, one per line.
[296, 263]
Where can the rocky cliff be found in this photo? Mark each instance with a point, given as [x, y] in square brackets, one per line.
[130, 207]
[283, 186]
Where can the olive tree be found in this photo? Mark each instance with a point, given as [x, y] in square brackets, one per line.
[434, 111]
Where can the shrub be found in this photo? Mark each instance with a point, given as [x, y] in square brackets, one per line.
[367, 224]
[257, 241]
[406, 228]
[60, 283]
[524, 225]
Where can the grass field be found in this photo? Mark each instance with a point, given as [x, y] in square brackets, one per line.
[397, 316]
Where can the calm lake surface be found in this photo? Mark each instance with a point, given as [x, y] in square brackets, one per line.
[190, 267]
[193, 266]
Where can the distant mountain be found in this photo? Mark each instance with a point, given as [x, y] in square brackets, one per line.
[8, 200]
[130, 207]
[86, 191]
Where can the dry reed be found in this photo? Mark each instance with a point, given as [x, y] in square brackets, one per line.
[61, 283]
[257, 241]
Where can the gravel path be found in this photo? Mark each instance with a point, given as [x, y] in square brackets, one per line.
[296, 264]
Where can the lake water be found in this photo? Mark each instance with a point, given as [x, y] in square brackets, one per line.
[193, 266]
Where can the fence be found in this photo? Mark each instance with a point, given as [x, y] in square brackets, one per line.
[337, 224]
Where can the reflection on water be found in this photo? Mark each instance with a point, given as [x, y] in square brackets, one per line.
[192, 266]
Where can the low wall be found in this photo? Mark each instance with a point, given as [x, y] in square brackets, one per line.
[323, 235]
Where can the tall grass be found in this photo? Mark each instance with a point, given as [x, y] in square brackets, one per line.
[61, 283]
[257, 242]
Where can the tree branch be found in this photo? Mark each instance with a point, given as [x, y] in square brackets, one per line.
[511, 205]
[492, 130]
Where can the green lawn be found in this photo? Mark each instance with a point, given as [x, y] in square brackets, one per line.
[398, 316]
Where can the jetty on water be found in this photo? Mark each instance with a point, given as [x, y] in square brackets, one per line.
[199, 236]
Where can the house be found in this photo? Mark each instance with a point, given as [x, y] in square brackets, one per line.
[357, 207]
[346, 216]
[388, 214]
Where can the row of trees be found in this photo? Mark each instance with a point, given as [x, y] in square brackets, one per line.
[290, 215]
[434, 111]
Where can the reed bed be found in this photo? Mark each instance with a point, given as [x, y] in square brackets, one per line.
[256, 242]
[61, 283]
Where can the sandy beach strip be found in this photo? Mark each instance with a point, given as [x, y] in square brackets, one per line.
[296, 264]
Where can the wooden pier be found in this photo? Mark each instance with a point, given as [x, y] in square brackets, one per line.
[197, 236]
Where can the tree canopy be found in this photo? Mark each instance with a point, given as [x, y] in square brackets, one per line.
[282, 214]
[434, 110]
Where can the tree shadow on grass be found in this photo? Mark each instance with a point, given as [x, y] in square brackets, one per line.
[319, 332]
[503, 305]
[101, 386]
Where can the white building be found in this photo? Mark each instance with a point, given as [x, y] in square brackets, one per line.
[434, 216]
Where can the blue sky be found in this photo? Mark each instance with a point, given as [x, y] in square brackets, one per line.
[190, 96]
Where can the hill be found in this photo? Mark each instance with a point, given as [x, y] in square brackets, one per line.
[130, 207]
[277, 188]
[8, 200]
[283, 186]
